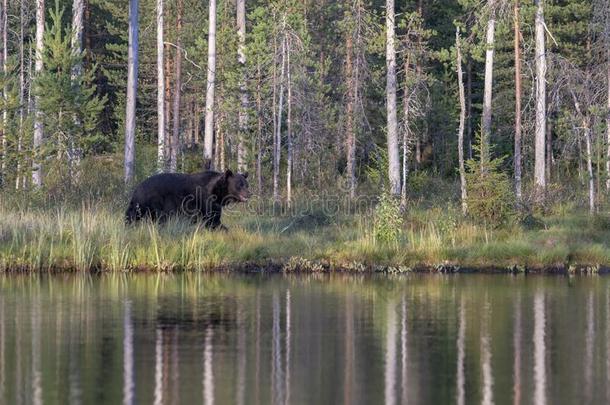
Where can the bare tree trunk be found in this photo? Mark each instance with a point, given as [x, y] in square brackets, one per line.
[517, 157]
[462, 123]
[289, 130]
[74, 151]
[488, 90]
[469, 108]
[540, 55]
[405, 134]
[392, 123]
[259, 135]
[160, 89]
[4, 56]
[208, 140]
[349, 124]
[38, 129]
[608, 122]
[175, 141]
[132, 88]
[78, 9]
[18, 184]
[278, 135]
[242, 156]
[587, 128]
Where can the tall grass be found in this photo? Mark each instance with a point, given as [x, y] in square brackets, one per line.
[94, 237]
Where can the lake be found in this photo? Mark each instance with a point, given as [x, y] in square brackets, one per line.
[304, 339]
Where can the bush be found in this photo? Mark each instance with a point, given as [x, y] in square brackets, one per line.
[491, 200]
[388, 219]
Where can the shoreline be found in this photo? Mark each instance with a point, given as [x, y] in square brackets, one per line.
[299, 265]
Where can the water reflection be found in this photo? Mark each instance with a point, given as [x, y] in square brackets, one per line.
[539, 350]
[171, 339]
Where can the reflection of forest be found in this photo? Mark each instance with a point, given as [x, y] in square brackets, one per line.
[194, 338]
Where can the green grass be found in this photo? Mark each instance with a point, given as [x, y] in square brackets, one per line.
[94, 237]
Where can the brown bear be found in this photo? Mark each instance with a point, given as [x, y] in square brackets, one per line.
[198, 196]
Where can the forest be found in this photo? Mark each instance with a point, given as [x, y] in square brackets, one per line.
[478, 130]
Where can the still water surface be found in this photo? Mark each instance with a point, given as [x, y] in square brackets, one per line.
[204, 339]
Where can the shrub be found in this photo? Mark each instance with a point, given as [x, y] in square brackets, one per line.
[491, 200]
[388, 219]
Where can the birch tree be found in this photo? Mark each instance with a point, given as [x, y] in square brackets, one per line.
[462, 122]
[208, 140]
[289, 148]
[540, 131]
[175, 142]
[78, 9]
[488, 86]
[242, 157]
[277, 143]
[392, 123]
[132, 87]
[517, 51]
[19, 182]
[38, 127]
[160, 89]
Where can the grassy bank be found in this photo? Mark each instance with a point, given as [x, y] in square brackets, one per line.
[93, 236]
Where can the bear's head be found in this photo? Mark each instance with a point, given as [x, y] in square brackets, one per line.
[235, 187]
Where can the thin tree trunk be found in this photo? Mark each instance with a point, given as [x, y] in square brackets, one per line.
[608, 122]
[517, 157]
[74, 151]
[242, 156]
[587, 128]
[278, 135]
[197, 121]
[469, 108]
[288, 130]
[259, 134]
[209, 97]
[175, 141]
[392, 124]
[18, 184]
[3, 155]
[38, 128]
[160, 89]
[132, 88]
[405, 134]
[540, 55]
[488, 89]
[349, 124]
[462, 122]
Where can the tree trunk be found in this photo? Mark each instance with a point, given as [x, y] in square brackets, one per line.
[4, 57]
[469, 108]
[608, 122]
[288, 131]
[540, 55]
[38, 129]
[462, 123]
[78, 9]
[18, 183]
[74, 151]
[208, 140]
[392, 125]
[259, 133]
[488, 89]
[349, 124]
[175, 141]
[517, 157]
[587, 128]
[132, 88]
[160, 89]
[278, 135]
[405, 134]
[242, 156]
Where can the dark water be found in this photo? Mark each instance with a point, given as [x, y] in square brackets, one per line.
[192, 339]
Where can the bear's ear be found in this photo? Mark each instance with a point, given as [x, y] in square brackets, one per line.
[228, 173]
[245, 175]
